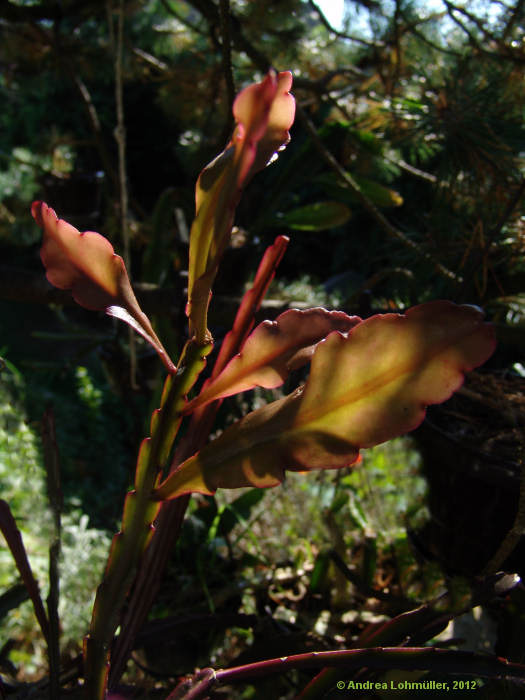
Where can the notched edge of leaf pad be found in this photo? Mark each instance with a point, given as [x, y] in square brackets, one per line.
[326, 423]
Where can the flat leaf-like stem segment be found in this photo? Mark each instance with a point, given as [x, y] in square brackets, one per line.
[263, 113]
[170, 517]
[273, 350]
[86, 264]
[363, 389]
[140, 510]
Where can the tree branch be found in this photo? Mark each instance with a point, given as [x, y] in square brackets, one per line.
[517, 531]
[508, 53]
[224, 12]
[517, 12]
[352, 185]
[415, 31]
[513, 202]
[182, 20]
[343, 35]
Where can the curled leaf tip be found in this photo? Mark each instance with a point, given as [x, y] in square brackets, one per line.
[85, 262]
[264, 113]
[36, 211]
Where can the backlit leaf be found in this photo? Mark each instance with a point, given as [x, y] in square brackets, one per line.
[263, 112]
[273, 350]
[86, 264]
[363, 389]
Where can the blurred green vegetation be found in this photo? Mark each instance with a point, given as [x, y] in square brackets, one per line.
[84, 548]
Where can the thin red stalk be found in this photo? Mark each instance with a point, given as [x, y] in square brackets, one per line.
[406, 658]
[441, 661]
[54, 492]
[13, 537]
[250, 304]
[416, 627]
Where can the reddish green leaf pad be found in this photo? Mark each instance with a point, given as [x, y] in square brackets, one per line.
[263, 113]
[273, 350]
[86, 264]
[363, 389]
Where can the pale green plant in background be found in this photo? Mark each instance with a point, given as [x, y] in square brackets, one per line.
[84, 548]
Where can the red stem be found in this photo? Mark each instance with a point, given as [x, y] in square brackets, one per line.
[443, 661]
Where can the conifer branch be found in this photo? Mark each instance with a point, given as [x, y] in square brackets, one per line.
[352, 185]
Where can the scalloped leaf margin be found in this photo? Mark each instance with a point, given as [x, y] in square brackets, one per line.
[87, 264]
[264, 113]
[363, 389]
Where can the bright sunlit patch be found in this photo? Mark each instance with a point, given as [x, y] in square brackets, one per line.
[333, 10]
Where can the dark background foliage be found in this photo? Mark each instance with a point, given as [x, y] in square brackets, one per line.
[403, 182]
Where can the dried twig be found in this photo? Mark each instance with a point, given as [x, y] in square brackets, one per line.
[172, 11]
[120, 137]
[516, 532]
[224, 12]
[54, 492]
[343, 35]
[482, 252]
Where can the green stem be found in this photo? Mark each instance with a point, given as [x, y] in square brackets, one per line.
[140, 510]
[172, 512]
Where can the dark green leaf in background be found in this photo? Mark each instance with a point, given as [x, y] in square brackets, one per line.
[316, 217]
